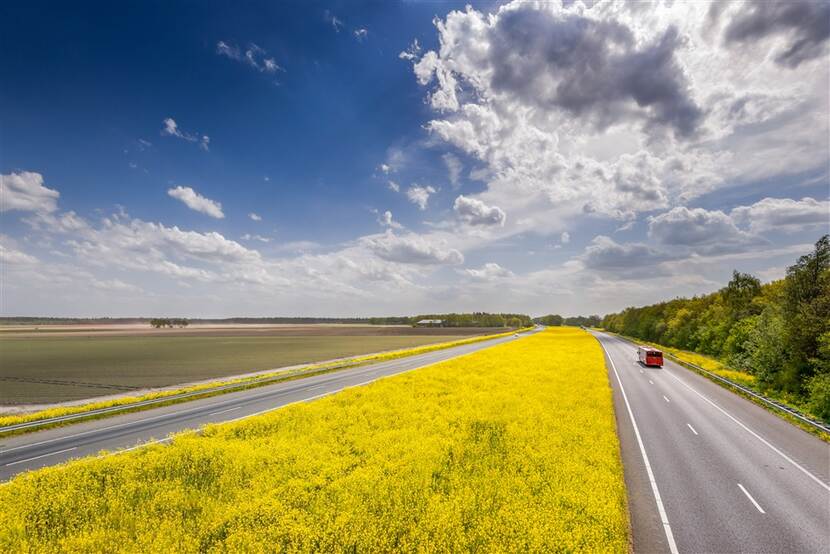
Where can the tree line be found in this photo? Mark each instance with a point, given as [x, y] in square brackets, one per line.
[160, 323]
[556, 320]
[476, 319]
[779, 331]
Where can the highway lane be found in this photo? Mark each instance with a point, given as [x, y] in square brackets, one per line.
[729, 475]
[53, 446]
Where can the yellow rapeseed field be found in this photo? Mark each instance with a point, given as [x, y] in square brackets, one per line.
[509, 449]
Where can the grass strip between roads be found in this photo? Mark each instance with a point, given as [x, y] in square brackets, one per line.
[512, 448]
[691, 359]
[246, 382]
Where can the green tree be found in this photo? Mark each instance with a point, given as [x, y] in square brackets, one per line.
[807, 312]
[740, 292]
[818, 387]
[780, 331]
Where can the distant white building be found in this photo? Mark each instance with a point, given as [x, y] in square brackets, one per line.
[430, 323]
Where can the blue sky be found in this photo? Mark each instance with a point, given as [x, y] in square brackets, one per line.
[211, 159]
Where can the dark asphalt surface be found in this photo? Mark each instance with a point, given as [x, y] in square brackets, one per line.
[731, 476]
[53, 446]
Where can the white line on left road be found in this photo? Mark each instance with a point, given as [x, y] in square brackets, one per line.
[664, 518]
[225, 411]
[650, 382]
[666, 399]
[760, 509]
[282, 406]
[41, 456]
[143, 444]
[692, 428]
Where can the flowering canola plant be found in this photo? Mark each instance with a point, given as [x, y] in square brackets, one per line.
[512, 448]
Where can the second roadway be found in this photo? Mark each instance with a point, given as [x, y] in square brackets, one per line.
[52, 446]
[707, 470]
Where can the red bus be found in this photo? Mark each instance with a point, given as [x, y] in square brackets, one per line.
[650, 356]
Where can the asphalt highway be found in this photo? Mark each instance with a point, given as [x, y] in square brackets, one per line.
[53, 446]
[708, 471]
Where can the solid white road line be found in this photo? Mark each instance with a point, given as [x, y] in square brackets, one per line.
[41, 456]
[143, 444]
[754, 434]
[225, 411]
[666, 399]
[760, 509]
[281, 406]
[692, 428]
[4, 450]
[650, 382]
[660, 508]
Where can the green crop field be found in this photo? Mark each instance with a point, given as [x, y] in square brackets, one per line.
[46, 369]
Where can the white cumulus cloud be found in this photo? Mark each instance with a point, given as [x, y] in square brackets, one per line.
[476, 212]
[490, 271]
[783, 213]
[196, 201]
[411, 249]
[24, 191]
[454, 168]
[171, 128]
[419, 195]
[701, 230]
[386, 220]
[11, 256]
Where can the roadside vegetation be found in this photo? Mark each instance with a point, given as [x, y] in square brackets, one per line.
[776, 336]
[513, 448]
[251, 381]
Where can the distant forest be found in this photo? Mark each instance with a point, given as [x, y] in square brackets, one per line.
[476, 319]
[574, 321]
[779, 332]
